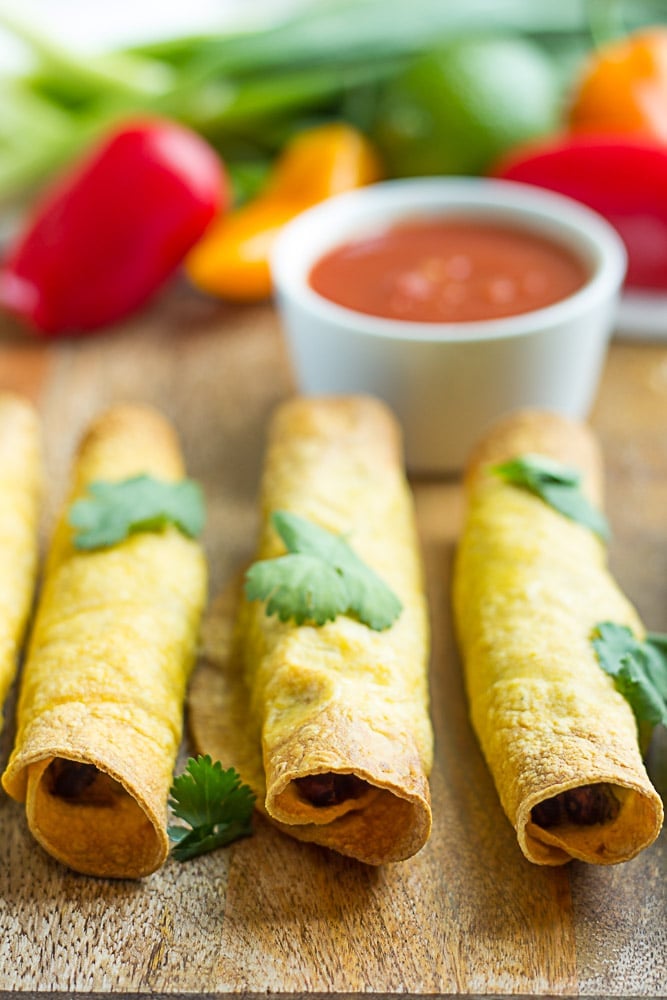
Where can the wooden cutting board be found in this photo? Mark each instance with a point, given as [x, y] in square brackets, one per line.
[468, 915]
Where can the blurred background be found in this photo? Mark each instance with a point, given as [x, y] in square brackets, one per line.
[99, 27]
[468, 88]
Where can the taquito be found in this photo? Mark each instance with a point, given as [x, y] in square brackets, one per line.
[530, 586]
[329, 724]
[100, 707]
[20, 488]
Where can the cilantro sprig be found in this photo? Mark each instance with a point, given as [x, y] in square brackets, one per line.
[556, 484]
[639, 669]
[320, 578]
[114, 510]
[214, 803]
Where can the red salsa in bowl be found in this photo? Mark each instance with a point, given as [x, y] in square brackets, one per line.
[454, 300]
[448, 270]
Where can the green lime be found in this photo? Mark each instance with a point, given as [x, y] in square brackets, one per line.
[455, 109]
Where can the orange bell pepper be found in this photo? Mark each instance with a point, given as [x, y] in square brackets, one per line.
[624, 88]
[232, 259]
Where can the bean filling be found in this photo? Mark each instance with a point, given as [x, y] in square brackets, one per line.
[582, 806]
[329, 789]
[81, 783]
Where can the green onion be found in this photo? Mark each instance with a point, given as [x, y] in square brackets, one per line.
[245, 90]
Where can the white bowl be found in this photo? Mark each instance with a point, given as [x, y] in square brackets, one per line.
[446, 382]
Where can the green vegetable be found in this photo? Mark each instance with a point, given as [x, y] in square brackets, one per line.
[320, 579]
[639, 669]
[141, 503]
[214, 804]
[458, 108]
[557, 485]
[248, 91]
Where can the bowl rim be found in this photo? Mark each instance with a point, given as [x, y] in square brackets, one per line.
[539, 209]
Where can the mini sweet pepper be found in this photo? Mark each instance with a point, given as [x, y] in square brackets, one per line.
[232, 259]
[111, 231]
[623, 88]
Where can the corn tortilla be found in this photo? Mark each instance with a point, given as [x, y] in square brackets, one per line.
[289, 704]
[20, 489]
[530, 586]
[101, 701]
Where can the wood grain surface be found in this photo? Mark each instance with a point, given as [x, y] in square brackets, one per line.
[468, 916]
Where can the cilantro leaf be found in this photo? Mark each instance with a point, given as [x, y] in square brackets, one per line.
[115, 510]
[658, 641]
[639, 669]
[556, 484]
[319, 579]
[214, 803]
[374, 603]
[298, 586]
[301, 535]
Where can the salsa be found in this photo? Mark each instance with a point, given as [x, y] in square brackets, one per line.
[449, 270]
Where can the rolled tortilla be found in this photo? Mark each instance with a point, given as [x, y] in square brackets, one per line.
[530, 586]
[20, 488]
[330, 724]
[101, 701]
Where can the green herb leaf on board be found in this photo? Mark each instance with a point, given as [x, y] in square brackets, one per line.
[214, 803]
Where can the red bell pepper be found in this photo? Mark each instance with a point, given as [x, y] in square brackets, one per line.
[624, 178]
[114, 229]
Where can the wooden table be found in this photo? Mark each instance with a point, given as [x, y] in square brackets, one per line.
[468, 915]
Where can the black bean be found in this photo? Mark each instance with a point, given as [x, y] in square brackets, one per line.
[329, 789]
[70, 778]
[591, 804]
[583, 806]
[548, 813]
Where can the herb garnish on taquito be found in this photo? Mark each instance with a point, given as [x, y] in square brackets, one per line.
[20, 486]
[328, 723]
[101, 700]
[531, 585]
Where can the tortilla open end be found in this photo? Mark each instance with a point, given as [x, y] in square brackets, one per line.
[329, 724]
[530, 586]
[101, 702]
